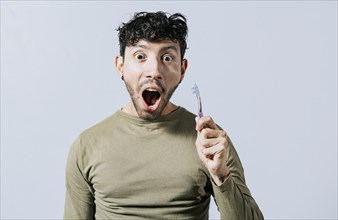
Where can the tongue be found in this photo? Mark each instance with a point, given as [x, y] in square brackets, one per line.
[150, 97]
[151, 100]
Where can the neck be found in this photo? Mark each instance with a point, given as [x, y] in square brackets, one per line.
[130, 109]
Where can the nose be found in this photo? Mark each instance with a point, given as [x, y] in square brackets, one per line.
[155, 69]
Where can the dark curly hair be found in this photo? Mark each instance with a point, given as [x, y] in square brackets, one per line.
[151, 27]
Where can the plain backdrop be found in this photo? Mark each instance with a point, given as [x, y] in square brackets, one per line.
[267, 72]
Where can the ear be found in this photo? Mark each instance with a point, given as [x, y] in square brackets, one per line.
[184, 67]
[119, 65]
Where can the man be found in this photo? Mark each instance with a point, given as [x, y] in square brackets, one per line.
[153, 159]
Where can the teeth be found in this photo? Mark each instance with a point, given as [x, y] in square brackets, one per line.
[152, 90]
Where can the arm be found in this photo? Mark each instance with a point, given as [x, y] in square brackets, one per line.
[218, 154]
[233, 197]
[79, 203]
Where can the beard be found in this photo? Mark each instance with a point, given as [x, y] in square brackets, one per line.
[136, 98]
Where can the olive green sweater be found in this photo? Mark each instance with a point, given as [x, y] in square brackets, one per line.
[129, 168]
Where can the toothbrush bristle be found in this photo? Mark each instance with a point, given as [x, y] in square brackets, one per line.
[195, 90]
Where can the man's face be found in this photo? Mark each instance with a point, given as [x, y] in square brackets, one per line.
[152, 72]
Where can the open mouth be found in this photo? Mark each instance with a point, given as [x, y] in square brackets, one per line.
[151, 97]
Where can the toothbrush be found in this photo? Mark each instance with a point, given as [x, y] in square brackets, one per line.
[196, 91]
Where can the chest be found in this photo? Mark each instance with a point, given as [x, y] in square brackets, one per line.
[148, 171]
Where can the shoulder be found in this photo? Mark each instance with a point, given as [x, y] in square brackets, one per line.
[91, 135]
[185, 122]
[89, 141]
[102, 127]
[186, 115]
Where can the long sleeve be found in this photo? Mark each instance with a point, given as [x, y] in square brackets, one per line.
[233, 197]
[79, 203]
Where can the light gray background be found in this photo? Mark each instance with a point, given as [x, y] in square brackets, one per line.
[267, 72]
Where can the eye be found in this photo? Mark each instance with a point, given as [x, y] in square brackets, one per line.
[167, 58]
[140, 56]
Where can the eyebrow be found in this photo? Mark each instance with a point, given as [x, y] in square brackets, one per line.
[169, 47]
[141, 46]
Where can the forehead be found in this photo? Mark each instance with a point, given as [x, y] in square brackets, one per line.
[156, 46]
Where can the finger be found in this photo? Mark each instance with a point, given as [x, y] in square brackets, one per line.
[212, 151]
[206, 143]
[210, 133]
[202, 156]
[209, 137]
[199, 127]
[207, 160]
[205, 121]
